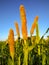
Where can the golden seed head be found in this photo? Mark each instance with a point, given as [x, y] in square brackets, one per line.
[34, 25]
[23, 21]
[11, 42]
[11, 37]
[22, 13]
[24, 31]
[17, 29]
[21, 6]
[36, 18]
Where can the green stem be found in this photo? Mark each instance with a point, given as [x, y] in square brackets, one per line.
[25, 58]
[43, 57]
[10, 61]
[19, 60]
[25, 50]
[38, 50]
[13, 62]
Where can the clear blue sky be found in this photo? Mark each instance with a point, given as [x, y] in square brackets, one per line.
[9, 12]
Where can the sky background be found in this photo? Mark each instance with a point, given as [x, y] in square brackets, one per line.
[9, 13]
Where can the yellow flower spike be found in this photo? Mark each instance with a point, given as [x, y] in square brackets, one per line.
[17, 29]
[23, 21]
[22, 14]
[11, 43]
[36, 18]
[34, 25]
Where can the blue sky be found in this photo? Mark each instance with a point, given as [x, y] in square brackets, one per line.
[9, 13]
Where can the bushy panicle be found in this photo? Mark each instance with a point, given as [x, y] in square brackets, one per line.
[34, 25]
[11, 42]
[17, 29]
[23, 21]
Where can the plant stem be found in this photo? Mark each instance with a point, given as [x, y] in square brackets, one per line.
[19, 60]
